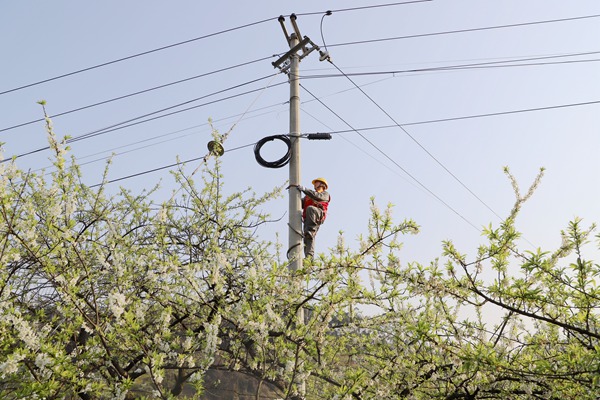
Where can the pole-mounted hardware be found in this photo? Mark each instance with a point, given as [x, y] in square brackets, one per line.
[283, 62]
[319, 136]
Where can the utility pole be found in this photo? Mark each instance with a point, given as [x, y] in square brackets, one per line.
[295, 241]
[295, 215]
[290, 63]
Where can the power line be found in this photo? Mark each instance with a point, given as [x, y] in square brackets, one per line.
[587, 103]
[223, 137]
[117, 127]
[433, 121]
[274, 18]
[135, 93]
[367, 7]
[164, 167]
[172, 133]
[100, 131]
[358, 130]
[124, 124]
[487, 64]
[186, 42]
[466, 30]
[137, 55]
[334, 132]
[417, 142]
[393, 161]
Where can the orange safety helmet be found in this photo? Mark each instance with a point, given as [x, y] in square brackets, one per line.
[321, 180]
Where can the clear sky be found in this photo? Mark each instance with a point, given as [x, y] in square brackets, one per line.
[446, 175]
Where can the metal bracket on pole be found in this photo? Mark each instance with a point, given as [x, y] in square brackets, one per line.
[284, 59]
[293, 50]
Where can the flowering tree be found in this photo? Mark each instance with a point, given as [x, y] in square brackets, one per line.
[104, 296]
[118, 297]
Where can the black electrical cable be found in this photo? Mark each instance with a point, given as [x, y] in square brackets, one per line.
[278, 163]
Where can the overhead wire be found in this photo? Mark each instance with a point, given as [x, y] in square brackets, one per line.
[104, 64]
[105, 130]
[136, 93]
[473, 116]
[391, 72]
[419, 144]
[359, 148]
[391, 160]
[164, 167]
[400, 3]
[429, 153]
[342, 131]
[490, 64]
[94, 133]
[391, 126]
[114, 154]
[353, 74]
[412, 138]
[466, 30]
[480, 65]
[109, 129]
[138, 55]
[126, 124]
[205, 157]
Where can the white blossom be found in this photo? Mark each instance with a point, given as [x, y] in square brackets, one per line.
[11, 365]
[117, 303]
[25, 332]
[41, 360]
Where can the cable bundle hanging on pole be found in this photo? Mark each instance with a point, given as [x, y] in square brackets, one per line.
[283, 161]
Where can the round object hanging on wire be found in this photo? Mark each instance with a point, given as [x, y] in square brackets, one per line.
[277, 163]
[215, 148]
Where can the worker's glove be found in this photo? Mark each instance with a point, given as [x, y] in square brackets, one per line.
[300, 188]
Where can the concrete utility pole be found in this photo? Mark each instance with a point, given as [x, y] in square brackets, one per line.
[295, 241]
[290, 62]
[295, 214]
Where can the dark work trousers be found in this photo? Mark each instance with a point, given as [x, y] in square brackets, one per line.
[312, 222]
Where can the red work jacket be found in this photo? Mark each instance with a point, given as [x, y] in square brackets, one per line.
[308, 201]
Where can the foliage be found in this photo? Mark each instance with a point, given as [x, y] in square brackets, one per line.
[118, 297]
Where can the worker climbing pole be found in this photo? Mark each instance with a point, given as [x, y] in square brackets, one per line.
[314, 211]
[315, 201]
[300, 47]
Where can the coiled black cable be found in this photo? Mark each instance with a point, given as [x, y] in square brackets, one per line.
[278, 163]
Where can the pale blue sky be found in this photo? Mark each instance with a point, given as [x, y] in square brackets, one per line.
[41, 40]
